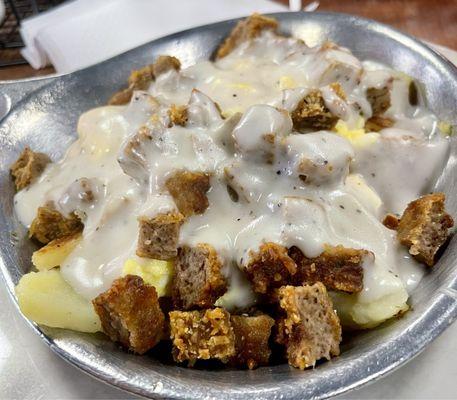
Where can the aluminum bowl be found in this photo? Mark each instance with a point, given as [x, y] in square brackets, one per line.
[43, 114]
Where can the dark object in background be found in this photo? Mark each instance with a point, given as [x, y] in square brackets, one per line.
[10, 39]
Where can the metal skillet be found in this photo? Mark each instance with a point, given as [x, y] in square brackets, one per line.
[43, 114]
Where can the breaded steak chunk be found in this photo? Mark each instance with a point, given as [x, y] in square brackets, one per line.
[424, 227]
[245, 30]
[158, 236]
[164, 64]
[202, 335]
[312, 113]
[50, 224]
[178, 115]
[251, 340]
[379, 99]
[188, 190]
[130, 314]
[338, 268]
[198, 281]
[270, 267]
[28, 167]
[310, 329]
[141, 79]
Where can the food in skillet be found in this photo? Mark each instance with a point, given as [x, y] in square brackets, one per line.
[279, 193]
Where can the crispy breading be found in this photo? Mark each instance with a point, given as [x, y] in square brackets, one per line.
[50, 224]
[312, 113]
[251, 340]
[379, 99]
[178, 115]
[158, 236]
[164, 64]
[141, 79]
[245, 30]
[391, 221]
[188, 190]
[198, 281]
[338, 89]
[310, 329]
[28, 167]
[270, 267]
[202, 335]
[130, 314]
[376, 123]
[338, 268]
[424, 227]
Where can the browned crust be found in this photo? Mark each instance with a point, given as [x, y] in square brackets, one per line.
[379, 100]
[377, 123]
[28, 167]
[130, 314]
[188, 190]
[178, 115]
[270, 267]
[312, 113]
[424, 227]
[141, 79]
[391, 221]
[198, 281]
[245, 30]
[251, 340]
[338, 268]
[202, 335]
[338, 89]
[164, 64]
[310, 329]
[158, 236]
[50, 224]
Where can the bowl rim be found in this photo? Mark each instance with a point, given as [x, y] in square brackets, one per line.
[441, 312]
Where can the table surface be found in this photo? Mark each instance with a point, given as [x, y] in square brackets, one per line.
[29, 370]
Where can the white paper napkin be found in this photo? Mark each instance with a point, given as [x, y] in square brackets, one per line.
[85, 32]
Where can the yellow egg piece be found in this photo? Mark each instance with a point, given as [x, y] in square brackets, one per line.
[157, 273]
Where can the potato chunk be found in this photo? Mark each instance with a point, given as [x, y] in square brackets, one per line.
[45, 298]
[55, 252]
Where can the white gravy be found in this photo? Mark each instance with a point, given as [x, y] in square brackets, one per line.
[347, 189]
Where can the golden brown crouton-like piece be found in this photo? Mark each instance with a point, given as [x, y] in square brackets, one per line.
[391, 221]
[28, 167]
[141, 79]
[130, 314]
[338, 268]
[158, 236]
[198, 281]
[312, 113]
[379, 99]
[377, 123]
[50, 224]
[424, 227]
[164, 64]
[202, 335]
[188, 190]
[270, 267]
[310, 329]
[251, 340]
[178, 115]
[245, 30]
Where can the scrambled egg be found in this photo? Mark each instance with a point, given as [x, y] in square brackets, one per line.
[157, 273]
[357, 136]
